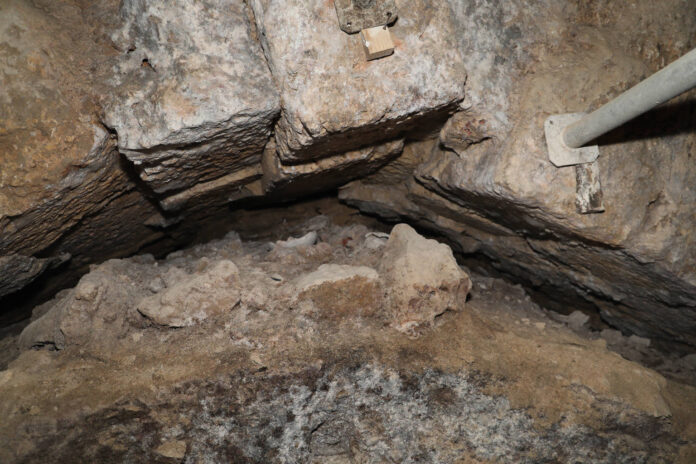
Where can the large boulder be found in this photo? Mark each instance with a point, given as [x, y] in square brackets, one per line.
[194, 100]
[422, 278]
[333, 99]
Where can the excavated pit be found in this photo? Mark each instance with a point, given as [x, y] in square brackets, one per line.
[226, 236]
[289, 346]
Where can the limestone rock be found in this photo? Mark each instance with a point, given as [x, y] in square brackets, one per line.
[375, 240]
[222, 191]
[184, 86]
[342, 290]
[309, 239]
[97, 312]
[463, 130]
[616, 257]
[45, 102]
[117, 142]
[576, 320]
[422, 277]
[257, 298]
[194, 98]
[45, 330]
[325, 173]
[101, 310]
[188, 299]
[333, 100]
[499, 197]
[62, 189]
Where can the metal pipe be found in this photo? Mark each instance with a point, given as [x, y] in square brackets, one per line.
[664, 85]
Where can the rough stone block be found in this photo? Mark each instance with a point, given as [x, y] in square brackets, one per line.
[188, 299]
[194, 99]
[334, 101]
[62, 190]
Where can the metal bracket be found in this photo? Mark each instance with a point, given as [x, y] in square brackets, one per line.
[589, 197]
[574, 130]
[559, 153]
[356, 15]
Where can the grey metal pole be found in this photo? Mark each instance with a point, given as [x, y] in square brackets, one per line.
[664, 85]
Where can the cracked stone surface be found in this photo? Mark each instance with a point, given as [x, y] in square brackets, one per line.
[325, 173]
[333, 100]
[60, 177]
[137, 126]
[17, 271]
[194, 98]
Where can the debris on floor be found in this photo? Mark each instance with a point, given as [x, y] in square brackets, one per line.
[348, 346]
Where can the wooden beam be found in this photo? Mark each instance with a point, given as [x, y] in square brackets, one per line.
[377, 42]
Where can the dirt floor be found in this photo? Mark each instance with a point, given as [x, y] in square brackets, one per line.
[250, 352]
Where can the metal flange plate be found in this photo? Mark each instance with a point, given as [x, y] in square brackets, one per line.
[559, 153]
[356, 15]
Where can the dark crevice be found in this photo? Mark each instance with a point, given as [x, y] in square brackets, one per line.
[145, 191]
[17, 306]
[514, 216]
[146, 64]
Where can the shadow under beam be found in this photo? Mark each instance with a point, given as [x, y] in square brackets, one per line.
[670, 119]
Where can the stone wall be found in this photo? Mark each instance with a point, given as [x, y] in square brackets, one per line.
[130, 126]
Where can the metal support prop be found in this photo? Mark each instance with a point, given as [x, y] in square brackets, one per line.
[664, 85]
[568, 134]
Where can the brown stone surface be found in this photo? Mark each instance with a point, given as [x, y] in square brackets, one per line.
[17, 271]
[62, 189]
[326, 173]
[180, 299]
[51, 142]
[193, 93]
[130, 127]
[343, 291]
[423, 279]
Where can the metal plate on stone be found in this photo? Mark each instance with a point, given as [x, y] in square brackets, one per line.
[356, 15]
[559, 153]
